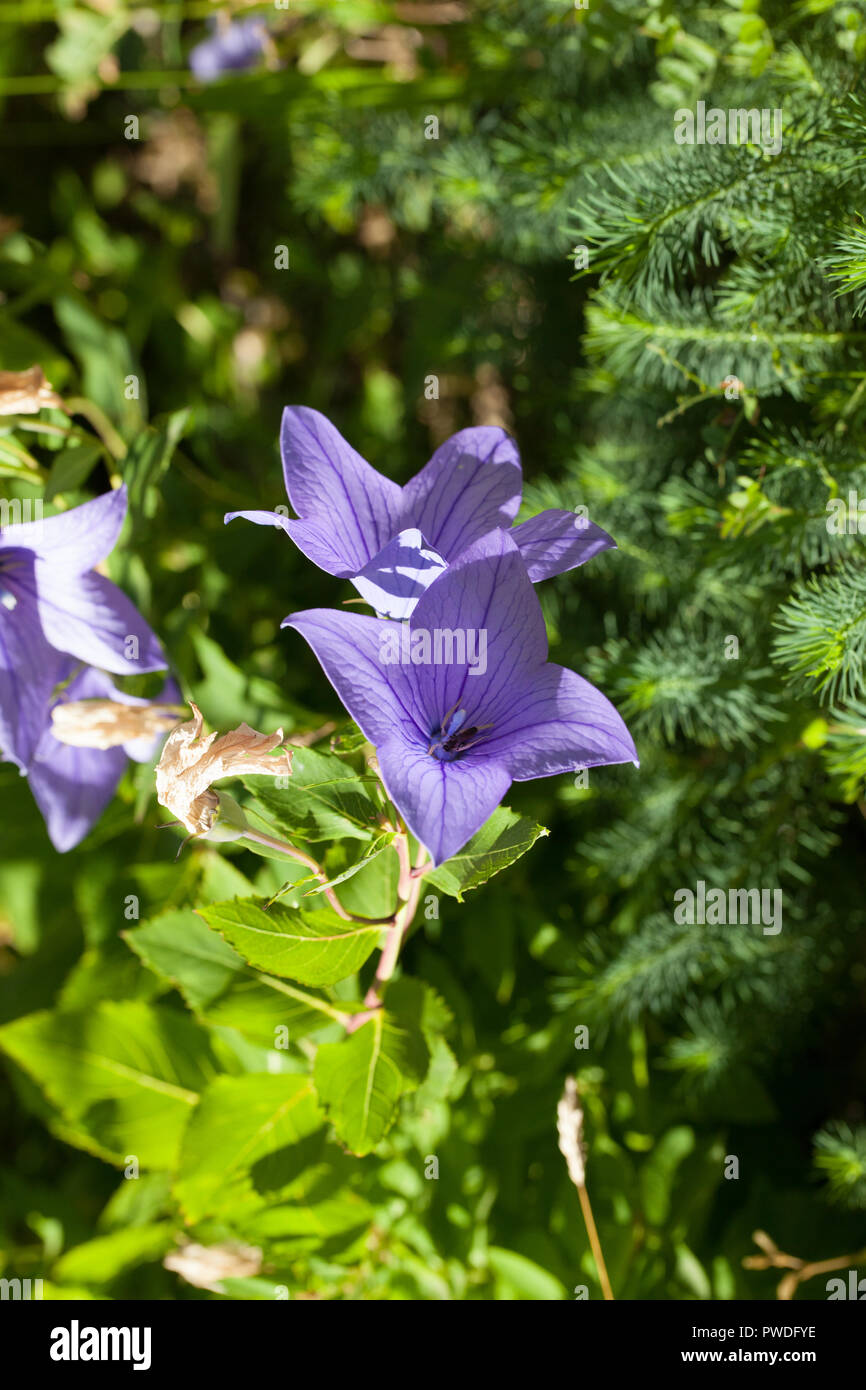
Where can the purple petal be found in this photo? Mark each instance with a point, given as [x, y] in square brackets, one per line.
[556, 541]
[471, 485]
[336, 491]
[76, 540]
[378, 693]
[29, 671]
[260, 518]
[322, 544]
[443, 804]
[89, 617]
[396, 578]
[237, 46]
[319, 543]
[558, 722]
[92, 685]
[72, 787]
[485, 597]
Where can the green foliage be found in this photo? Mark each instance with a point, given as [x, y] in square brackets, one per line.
[122, 1076]
[201, 1024]
[324, 799]
[314, 947]
[360, 1080]
[503, 839]
[840, 1157]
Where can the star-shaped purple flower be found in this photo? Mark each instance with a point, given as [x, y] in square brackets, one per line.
[451, 736]
[72, 785]
[393, 541]
[52, 600]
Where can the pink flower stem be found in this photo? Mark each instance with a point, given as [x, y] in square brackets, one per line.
[272, 843]
[408, 891]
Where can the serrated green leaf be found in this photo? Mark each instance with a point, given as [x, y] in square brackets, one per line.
[311, 945]
[360, 1079]
[372, 890]
[501, 841]
[326, 799]
[219, 985]
[376, 847]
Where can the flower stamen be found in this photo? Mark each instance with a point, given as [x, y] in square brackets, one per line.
[450, 740]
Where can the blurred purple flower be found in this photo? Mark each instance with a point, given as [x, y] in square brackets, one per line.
[393, 541]
[451, 737]
[73, 783]
[53, 601]
[231, 48]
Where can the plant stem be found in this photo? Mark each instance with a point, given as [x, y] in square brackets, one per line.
[569, 1123]
[79, 405]
[270, 842]
[589, 1222]
[409, 891]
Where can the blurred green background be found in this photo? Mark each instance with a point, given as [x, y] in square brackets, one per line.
[158, 257]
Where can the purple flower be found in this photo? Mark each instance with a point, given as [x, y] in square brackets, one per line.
[451, 736]
[392, 541]
[231, 48]
[52, 600]
[73, 783]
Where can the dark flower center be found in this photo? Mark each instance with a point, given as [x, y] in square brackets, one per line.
[450, 740]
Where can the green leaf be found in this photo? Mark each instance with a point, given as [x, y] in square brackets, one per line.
[239, 1121]
[501, 841]
[72, 467]
[104, 354]
[218, 984]
[226, 695]
[251, 1289]
[138, 1202]
[334, 1216]
[102, 1259]
[312, 945]
[372, 890]
[516, 1277]
[347, 739]
[57, 1293]
[658, 1172]
[220, 879]
[324, 800]
[150, 454]
[361, 1079]
[106, 971]
[124, 1076]
[376, 847]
